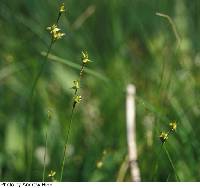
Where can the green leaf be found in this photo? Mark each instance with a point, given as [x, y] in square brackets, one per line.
[76, 66]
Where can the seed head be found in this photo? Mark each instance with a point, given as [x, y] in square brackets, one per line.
[77, 99]
[53, 29]
[58, 35]
[173, 126]
[163, 137]
[85, 58]
[52, 173]
[76, 85]
[62, 8]
[55, 32]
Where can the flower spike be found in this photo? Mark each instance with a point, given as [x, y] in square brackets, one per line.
[62, 8]
[85, 58]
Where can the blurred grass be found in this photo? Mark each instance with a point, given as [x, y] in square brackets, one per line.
[128, 43]
[75, 66]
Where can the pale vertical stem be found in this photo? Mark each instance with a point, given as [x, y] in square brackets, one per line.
[123, 170]
[131, 132]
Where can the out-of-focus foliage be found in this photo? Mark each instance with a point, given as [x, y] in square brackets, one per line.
[128, 43]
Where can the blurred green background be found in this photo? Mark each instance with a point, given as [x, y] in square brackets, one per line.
[128, 43]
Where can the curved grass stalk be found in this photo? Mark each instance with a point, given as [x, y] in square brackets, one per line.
[178, 38]
[171, 162]
[123, 170]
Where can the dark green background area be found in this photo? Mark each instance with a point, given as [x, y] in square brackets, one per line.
[128, 43]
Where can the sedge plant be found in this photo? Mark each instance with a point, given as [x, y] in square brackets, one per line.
[56, 34]
[76, 100]
[164, 136]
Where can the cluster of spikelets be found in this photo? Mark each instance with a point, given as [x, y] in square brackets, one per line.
[76, 99]
[54, 30]
[76, 83]
[52, 175]
[56, 34]
[164, 135]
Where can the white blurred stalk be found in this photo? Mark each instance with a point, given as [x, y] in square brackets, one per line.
[131, 132]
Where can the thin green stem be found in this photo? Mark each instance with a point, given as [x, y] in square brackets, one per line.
[44, 63]
[70, 123]
[171, 162]
[31, 106]
[168, 178]
[80, 76]
[29, 150]
[45, 153]
[30, 109]
[59, 14]
[81, 71]
[41, 70]
[66, 141]
[156, 164]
